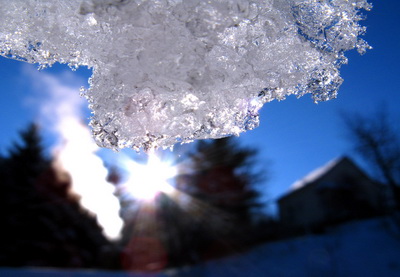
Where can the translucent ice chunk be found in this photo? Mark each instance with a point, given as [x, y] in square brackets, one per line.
[167, 71]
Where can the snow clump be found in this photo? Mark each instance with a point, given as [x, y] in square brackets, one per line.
[168, 71]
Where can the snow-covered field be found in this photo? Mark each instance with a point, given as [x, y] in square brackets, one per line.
[367, 248]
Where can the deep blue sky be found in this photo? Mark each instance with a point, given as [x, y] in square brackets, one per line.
[295, 135]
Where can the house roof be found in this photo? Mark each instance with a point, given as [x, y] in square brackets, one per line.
[319, 173]
[316, 174]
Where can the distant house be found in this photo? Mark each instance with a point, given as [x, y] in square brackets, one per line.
[334, 193]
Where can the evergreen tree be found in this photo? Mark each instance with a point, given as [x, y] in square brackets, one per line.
[41, 224]
[225, 177]
[225, 201]
[30, 150]
[210, 214]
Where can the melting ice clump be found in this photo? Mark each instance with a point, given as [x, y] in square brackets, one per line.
[167, 71]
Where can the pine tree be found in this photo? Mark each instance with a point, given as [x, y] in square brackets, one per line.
[210, 214]
[18, 174]
[224, 176]
[225, 201]
[30, 149]
[41, 224]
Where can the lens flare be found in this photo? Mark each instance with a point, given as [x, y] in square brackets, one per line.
[146, 181]
[60, 112]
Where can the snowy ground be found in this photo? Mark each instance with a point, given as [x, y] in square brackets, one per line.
[368, 248]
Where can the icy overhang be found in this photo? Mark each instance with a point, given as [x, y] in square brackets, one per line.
[168, 71]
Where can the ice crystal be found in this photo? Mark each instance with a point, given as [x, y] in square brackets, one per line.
[167, 71]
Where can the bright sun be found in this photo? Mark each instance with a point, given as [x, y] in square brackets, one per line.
[147, 180]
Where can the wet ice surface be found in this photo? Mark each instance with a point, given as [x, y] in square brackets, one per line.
[168, 71]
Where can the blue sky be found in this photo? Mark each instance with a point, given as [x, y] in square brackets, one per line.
[295, 135]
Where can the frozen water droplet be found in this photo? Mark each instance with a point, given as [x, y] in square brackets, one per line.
[82, 91]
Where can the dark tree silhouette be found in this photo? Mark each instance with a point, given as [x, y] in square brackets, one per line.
[42, 225]
[211, 214]
[223, 185]
[377, 141]
[225, 177]
[157, 233]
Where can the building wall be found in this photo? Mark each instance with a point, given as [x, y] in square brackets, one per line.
[302, 209]
[342, 193]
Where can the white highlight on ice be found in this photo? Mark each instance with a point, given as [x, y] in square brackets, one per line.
[149, 179]
[61, 114]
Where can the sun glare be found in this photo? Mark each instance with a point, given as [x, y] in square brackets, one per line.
[147, 180]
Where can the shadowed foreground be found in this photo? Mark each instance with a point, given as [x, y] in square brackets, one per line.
[365, 248]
